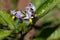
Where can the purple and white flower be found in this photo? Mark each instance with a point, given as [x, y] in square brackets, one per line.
[13, 12]
[28, 15]
[19, 14]
[30, 9]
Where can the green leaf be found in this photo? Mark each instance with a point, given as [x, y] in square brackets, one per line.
[48, 17]
[8, 19]
[55, 34]
[58, 5]
[46, 7]
[44, 24]
[2, 21]
[22, 26]
[38, 3]
[4, 33]
[38, 38]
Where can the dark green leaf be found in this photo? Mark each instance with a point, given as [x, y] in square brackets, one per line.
[55, 35]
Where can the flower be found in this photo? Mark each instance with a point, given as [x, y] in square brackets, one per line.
[28, 15]
[19, 14]
[30, 9]
[32, 6]
[13, 12]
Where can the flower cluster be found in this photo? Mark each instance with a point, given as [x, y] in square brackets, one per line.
[29, 10]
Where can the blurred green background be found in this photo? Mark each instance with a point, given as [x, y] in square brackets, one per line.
[46, 24]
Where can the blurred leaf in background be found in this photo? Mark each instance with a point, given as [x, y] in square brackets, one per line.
[38, 3]
[4, 33]
[8, 19]
[58, 5]
[46, 25]
[55, 35]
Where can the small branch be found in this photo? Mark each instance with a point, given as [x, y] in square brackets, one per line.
[30, 34]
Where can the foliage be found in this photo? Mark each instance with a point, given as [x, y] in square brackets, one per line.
[46, 23]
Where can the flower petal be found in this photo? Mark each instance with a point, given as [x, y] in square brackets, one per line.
[13, 12]
[19, 14]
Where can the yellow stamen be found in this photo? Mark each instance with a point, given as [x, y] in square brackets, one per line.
[13, 17]
[30, 20]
